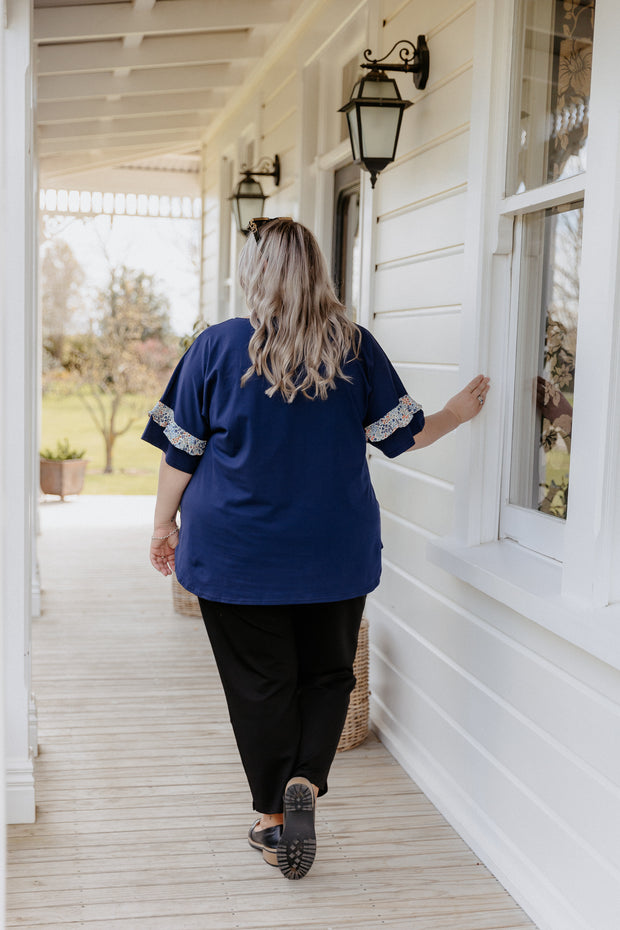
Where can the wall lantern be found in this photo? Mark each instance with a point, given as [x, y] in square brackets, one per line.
[248, 198]
[375, 111]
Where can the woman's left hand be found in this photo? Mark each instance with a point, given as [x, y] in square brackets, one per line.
[162, 550]
[469, 402]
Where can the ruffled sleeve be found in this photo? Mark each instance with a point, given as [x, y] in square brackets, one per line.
[178, 423]
[393, 418]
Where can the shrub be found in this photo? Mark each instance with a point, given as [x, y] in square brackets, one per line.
[63, 452]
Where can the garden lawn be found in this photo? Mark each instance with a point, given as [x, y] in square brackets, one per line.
[136, 463]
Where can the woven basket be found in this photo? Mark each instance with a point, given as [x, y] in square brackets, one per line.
[355, 728]
[184, 602]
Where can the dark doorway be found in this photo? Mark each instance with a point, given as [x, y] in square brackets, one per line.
[346, 253]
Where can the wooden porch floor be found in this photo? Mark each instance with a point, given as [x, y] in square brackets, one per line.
[142, 807]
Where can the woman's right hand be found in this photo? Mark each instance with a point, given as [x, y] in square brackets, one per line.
[162, 550]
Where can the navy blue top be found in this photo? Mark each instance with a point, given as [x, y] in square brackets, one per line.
[280, 508]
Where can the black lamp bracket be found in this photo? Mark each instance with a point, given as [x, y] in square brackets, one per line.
[266, 168]
[414, 60]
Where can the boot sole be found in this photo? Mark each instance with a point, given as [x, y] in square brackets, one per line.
[297, 847]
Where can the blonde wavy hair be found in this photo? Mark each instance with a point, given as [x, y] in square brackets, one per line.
[302, 335]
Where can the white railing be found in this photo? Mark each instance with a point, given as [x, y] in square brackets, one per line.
[93, 203]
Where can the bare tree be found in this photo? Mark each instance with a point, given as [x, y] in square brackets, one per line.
[128, 353]
[62, 279]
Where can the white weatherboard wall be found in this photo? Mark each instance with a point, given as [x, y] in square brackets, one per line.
[510, 729]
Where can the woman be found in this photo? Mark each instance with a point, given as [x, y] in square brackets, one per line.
[264, 427]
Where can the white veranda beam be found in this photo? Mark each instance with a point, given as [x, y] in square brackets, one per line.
[143, 6]
[119, 180]
[151, 53]
[105, 21]
[101, 144]
[155, 81]
[68, 111]
[120, 127]
[55, 167]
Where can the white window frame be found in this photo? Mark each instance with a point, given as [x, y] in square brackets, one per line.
[571, 597]
[537, 531]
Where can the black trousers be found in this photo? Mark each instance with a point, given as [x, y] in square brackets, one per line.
[287, 673]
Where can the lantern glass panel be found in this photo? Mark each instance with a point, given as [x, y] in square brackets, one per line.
[384, 89]
[379, 127]
[354, 133]
[248, 202]
[250, 208]
[235, 211]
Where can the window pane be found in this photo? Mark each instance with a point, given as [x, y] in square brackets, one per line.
[545, 361]
[549, 130]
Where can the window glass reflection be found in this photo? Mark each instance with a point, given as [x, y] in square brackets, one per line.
[545, 373]
[550, 128]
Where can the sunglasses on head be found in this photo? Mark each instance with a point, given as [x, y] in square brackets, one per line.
[258, 222]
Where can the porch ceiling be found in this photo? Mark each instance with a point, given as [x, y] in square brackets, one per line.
[121, 81]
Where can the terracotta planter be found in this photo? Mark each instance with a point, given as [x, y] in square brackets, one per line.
[63, 478]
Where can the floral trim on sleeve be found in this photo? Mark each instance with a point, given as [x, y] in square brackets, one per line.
[399, 416]
[179, 438]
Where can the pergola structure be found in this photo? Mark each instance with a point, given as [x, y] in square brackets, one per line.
[125, 89]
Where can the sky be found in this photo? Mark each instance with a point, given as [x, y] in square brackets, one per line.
[165, 247]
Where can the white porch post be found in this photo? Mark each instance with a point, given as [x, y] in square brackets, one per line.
[2, 301]
[18, 367]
